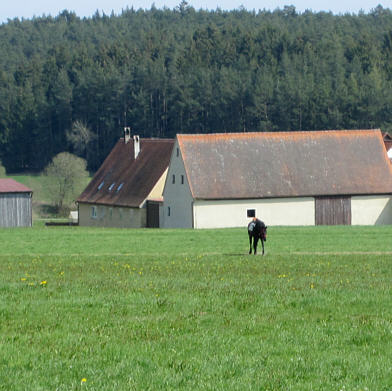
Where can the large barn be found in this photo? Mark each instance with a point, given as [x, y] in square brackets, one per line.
[127, 189]
[287, 178]
[15, 204]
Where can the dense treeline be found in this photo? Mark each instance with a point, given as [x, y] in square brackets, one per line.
[70, 84]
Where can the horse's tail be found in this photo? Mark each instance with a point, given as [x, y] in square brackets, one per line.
[263, 234]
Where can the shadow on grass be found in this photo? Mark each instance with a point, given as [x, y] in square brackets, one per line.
[242, 254]
[50, 211]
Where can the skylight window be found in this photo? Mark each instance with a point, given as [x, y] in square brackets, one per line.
[111, 186]
[120, 186]
[100, 185]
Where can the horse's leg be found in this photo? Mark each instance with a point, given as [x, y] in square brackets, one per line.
[262, 244]
[255, 240]
[250, 244]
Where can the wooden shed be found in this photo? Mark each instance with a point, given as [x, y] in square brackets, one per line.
[15, 204]
[287, 178]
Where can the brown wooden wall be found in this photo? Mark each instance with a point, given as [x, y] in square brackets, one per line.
[333, 210]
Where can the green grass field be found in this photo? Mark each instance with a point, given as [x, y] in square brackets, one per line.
[112, 309]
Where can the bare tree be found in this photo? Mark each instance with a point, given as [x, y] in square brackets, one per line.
[80, 136]
[67, 177]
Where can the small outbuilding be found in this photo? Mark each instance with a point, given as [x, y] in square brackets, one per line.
[285, 178]
[127, 189]
[15, 204]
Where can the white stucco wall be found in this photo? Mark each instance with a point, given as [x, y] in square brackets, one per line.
[279, 211]
[177, 196]
[111, 216]
[371, 210]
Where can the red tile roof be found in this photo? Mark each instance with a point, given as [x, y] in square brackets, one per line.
[124, 181]
[286, 164]
[9, 185]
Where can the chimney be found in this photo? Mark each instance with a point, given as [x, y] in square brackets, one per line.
[127, 134]
[136, 145]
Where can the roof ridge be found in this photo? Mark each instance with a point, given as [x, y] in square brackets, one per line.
[270, 134]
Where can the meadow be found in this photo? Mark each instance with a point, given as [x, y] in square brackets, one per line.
[114, 309]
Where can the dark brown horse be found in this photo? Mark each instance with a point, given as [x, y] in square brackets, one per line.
[256, 230]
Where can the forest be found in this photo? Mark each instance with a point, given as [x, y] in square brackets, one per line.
[70, 84]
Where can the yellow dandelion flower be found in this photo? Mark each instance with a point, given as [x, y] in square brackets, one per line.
[83, 380]
[23, 279]
[43, 283]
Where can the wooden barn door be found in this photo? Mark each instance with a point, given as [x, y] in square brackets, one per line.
[333, 210]
[152, 214]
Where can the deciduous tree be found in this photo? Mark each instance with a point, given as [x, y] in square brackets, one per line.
[67, 176]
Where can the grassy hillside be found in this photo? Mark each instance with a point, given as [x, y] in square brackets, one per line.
[111, 309]
[42, 207]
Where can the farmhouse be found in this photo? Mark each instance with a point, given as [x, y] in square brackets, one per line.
[15, 204]
[127, 189]
[287, 178]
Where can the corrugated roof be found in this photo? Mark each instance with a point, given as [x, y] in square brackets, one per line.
[286, 164]
[9, 185]
[124, 181]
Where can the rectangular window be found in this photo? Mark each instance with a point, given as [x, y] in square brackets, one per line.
[178, 152]
[251, 213]
[93, 212]
[173, 179]
[168, 210]
[182, 179]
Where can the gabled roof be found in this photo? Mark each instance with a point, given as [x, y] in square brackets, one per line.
[9, 185]
[286, 164]
[125, 181]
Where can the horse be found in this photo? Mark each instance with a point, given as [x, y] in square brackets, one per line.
[256, 230]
